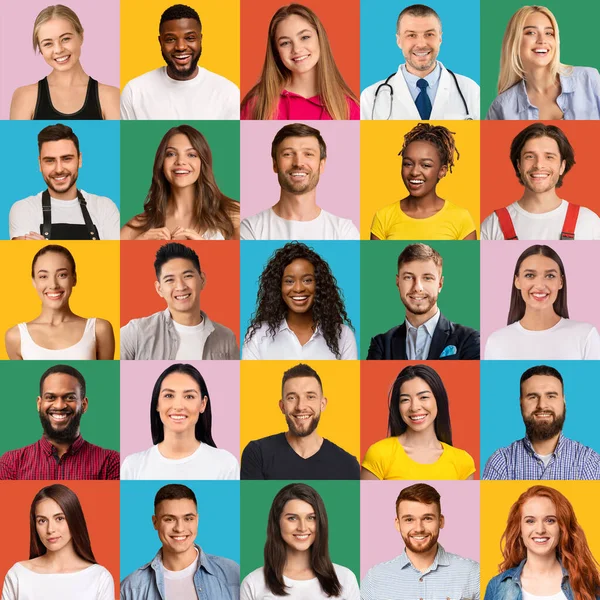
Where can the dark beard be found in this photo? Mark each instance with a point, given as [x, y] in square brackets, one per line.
[66, 435]
[175, 73]
[305, 432]
[540, 432]
[51, 188]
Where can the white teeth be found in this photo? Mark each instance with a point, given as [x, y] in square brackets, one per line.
[539, 175]
[419, 537]
[59, 417]
[421, 53]
[179, 172]
[416, 181]
[61, 59]
[303, 417]
[302, 174]
[302, 537]
[418, 418]
[301, 58]
[299, 298]
[180, 538]
[56, 295]
[541, 51]
[540, 540]
[177, 417]
[182, 297]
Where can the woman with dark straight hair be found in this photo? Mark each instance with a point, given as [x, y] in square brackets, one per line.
[297, 562]
[538, 325]
[181, 421]
[61, 563]
[419, 445]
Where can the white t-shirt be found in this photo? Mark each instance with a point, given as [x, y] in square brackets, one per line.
[93, 583]
[558, 596]
[154, 95]
[180, 584]
[286, 346]
[266, 225]
[205, 463]
[254, 588]
[191, 340]
[26, 215]
[543, 226]
[567, 340]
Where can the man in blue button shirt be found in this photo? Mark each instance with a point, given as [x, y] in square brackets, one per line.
[544, 452]
[181, 569]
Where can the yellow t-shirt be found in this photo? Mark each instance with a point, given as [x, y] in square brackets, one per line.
[450, 223]
[387, 459]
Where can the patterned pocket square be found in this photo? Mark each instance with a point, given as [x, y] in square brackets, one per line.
[448, 351]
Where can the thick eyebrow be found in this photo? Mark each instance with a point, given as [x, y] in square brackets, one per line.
[286, 148]
[61, 35]
[411, 273]
[57, 270]
[173, 274]
[287, 37]
[546, 271]
[60, 514]
[290, 514]
[533, 516]
[175, 516]
[418, 393]
[186, 149]
[61, 156]
[536, 27]
[186, 33]
[413, 516]
[415, 31]
[184, 391]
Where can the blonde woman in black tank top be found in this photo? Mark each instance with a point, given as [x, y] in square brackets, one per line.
[67, 92]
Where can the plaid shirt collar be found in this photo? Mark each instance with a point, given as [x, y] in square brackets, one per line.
[50, 450]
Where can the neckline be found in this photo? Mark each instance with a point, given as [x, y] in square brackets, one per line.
[87, 321]
[61, 574]
[436, 215]
[418, 463]
[70, 115]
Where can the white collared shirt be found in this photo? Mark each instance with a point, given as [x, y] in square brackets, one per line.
[418, 339]
[285, 345]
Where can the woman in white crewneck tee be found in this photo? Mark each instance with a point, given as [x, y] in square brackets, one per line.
[180, 420]
[61, 563]
[58, 333]
[539, 327]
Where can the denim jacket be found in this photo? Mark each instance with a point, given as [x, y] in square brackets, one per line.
[217, 578]
[507, 585]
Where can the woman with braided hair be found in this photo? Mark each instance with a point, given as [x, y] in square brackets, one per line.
[300, 311]
[427, 156]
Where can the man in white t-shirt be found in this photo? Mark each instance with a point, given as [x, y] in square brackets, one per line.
[299, 154]
[69, 213]
[541, 156]
[181, 90]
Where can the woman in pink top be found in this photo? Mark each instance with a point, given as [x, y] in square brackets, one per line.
[299, 79]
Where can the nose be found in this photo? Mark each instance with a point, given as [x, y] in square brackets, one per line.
[180, 44]
[59, 404]
[180, 283]
[414, 405]
[178, 526]
[417, 284]
[298, 286]
[302, 525]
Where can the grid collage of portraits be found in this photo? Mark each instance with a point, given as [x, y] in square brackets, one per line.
[299, 323]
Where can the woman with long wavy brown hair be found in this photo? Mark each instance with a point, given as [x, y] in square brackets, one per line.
[545, 552]
[184, 201]
[299, 78]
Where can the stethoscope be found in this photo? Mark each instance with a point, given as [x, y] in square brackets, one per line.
[386, 83]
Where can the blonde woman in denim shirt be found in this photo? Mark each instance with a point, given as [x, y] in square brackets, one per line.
[546, 554]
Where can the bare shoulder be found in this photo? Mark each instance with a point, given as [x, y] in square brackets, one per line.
[110, 98]
[13, 335]
[23, 102]
[103, 327]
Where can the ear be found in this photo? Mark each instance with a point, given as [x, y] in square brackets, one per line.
[322, 165]
[323, 403]
[155, 522]
[39, 403]
[40, 163]
[563, 166]
[202, 280]
[275, 169]
[158, 290]
[203, 404]
[442, 521]
[281, 407]
[80, 157]
[517, 282]
[398, 282]
[561, 283]
[84, 405]
[398, 41]
[441, 283]
[397, 524]
[443, 172]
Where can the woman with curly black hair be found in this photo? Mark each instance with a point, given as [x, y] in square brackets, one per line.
[300, 311]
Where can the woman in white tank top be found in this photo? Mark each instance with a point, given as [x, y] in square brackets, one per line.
[58, 333]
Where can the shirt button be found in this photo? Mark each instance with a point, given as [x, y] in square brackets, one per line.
[421, 580]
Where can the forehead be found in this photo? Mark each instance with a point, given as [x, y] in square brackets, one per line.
[180, 507]
[420, 149]
[52, 261]
[60, 382]
[537, 19]
[176, 266]
[300, 266]
[175, 381]
[539, 262]
[179, 140]
[414, 386]
[297, 507]
[47, 507]
[420, 267]
[542, 384]
[302, 385]
[299, 143]
[411, 507]
[180, 27]
[55, 28]
[542, 144]
[58, 148]
[291, 26]
[419, 24]
[538, 506]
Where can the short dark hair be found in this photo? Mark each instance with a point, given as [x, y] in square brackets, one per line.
[55, 133]
[419, 252]
[174, 491]
[420, 492]
[298, 130]
[173, 250]
[179, 11]
[58, 250]
[418, 10]
[66, 370]
[538, 130]
[300, 370]
[540, 370]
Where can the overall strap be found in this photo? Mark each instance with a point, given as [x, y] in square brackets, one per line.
[86, 217]
[47, 215]
[506, 224]
[568, 229]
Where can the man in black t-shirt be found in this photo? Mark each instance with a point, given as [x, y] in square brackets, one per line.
[300, 453]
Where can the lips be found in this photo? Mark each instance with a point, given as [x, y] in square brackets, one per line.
[540, 296]
[299, 59]
[544, 414]
[60, 417]
[61, 60]
[302, 537]
[54, 295]
[418, 418]
[179, 538]
[178, 418]
[183, 297]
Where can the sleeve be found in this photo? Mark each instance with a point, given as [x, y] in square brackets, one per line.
[246, 232]
[377, 227]
[7, 466]
[10, 589]
[350, 586]
[491, 349]
[466, 466]
[366, 588]
[366, 104]
[250, 349]
[252, 462]
[128, 341]
[471, 347]
[374, 461]
[474, 100]
[232, 109]
[22, 219]
[113, 467]
[110, 228]
[592, 346]
[106, 587]
[467, 225]
[127, 468]
[349, 231]
[354, 110]
[247, 591]
[490, 592]
[495, 112]
[490, 229]
[375, 348]
[495, 468]
[233, 471]
[247, 108]
[475, 583]
[233, 350]
[348, 348]
[127, 108]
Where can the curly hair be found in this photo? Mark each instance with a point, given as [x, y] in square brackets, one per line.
[438, 135]
[572, 550]
[328, 311]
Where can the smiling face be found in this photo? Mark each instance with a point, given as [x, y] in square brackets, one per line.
[181, 46]
[180, 403]
[182, 163]
[419, 283]
[539, 526]
[51, 525]
[59, 165]
[302, 404]
[180, 285]
[539, 280]
[298, 164]
[176, 522]
[419, 38]
[297, 43]
[61, 407]
[538, 44]
[419, 525]
[298, 525]
[298, 286]
[59, 44]
[540, 165]
[418, 407]
[421, 168]
[53, 279]
[542, 407]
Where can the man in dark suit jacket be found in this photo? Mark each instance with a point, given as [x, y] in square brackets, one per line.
[431, 336]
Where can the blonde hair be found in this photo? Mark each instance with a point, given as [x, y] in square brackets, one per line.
[333, 90]
[511, 67]
[57, 11]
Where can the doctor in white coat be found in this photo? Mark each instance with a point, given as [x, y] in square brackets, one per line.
[400, 96]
